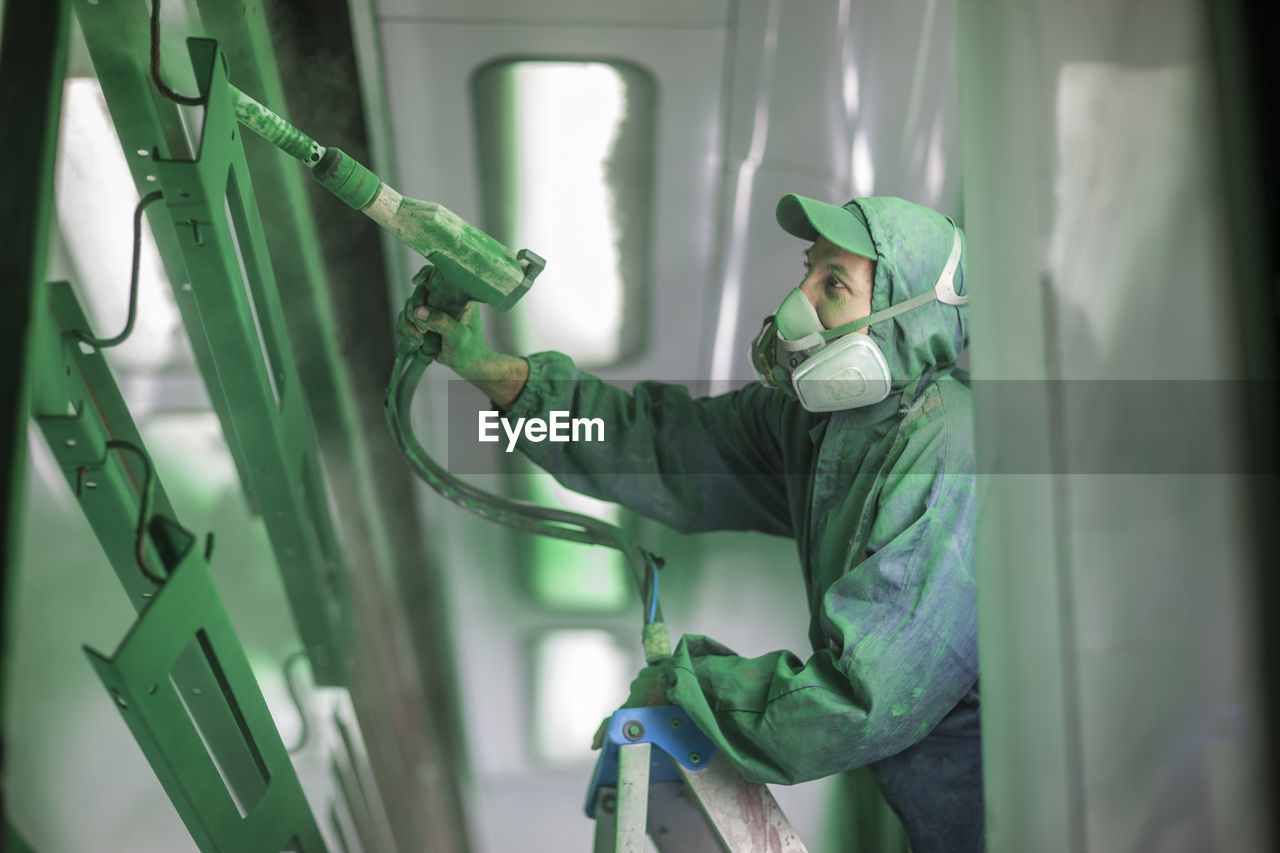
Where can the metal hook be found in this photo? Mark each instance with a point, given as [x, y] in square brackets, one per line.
[155, 62]
[103, 343]
[144, 512]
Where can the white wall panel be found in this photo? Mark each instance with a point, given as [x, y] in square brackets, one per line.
[1119, 684]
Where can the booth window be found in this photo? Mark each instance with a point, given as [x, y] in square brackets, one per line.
[566, 166]
[569, 576]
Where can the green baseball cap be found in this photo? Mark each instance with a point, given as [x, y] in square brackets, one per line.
[809, 219]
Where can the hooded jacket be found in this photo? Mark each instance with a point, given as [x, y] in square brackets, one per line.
[880, 501]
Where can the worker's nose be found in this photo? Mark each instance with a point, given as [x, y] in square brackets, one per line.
[809, 287]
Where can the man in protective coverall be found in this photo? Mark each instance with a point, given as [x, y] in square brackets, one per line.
[862, 451]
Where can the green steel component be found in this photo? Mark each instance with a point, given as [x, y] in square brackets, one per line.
[116, 35]
[187, 617]
[212, 206]
[403, 726]
[79, 408]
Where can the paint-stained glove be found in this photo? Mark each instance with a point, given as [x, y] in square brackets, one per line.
[462, 345]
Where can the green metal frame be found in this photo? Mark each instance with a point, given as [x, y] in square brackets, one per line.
[233, 292]
[78, 407]
[116, 35]
[281, 470]
[188, 608]
[378, 541]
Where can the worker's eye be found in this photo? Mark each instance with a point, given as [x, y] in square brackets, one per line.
[834, 283]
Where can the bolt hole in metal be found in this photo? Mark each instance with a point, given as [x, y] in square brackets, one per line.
[70, 442]
[90, 484]
[184, 193]
[142, 152]
[151, 178]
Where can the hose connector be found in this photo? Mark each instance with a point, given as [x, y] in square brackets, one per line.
[346, 178]
[657, 642]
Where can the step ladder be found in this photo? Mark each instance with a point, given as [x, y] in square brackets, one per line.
[659, 774]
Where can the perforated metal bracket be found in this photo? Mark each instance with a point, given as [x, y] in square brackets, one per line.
[264, 810]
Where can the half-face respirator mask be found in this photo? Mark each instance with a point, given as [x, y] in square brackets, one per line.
[829, 370]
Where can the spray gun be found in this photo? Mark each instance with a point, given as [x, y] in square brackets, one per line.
[468, 263]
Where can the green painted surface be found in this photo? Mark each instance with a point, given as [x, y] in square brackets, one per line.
[79, 410]
[212, 205]
[187, 617]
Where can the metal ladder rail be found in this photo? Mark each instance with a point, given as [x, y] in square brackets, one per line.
[659, 774]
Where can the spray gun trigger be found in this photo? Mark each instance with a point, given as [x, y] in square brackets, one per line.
[422, 276]
[532, 265]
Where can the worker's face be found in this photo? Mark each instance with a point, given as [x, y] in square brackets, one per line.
[837, 283]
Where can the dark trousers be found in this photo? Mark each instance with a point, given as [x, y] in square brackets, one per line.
[935, 787]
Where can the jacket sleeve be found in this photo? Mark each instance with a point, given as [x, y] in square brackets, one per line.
[902, 645]
[712, 463]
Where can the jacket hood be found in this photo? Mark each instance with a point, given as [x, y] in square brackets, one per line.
[912, 245]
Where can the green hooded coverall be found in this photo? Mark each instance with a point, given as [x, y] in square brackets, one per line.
[880, 501]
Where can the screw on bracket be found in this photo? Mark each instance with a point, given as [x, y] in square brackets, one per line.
[633, 730]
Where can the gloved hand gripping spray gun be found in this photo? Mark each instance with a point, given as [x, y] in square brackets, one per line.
[466, 264]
